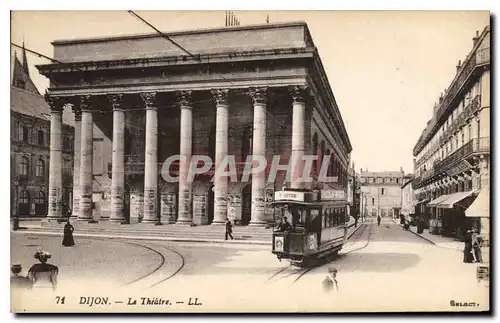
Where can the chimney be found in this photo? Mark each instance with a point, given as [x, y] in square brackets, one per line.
[475, 39]
[441, 98]
[459, 65]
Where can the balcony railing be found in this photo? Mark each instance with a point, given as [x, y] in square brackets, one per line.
[480, 57]
[476, 145]
[428, 174]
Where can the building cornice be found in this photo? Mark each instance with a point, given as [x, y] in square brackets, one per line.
[180, 33]
[448, 100]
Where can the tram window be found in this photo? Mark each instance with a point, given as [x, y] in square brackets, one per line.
[299, 216]
[331, 217]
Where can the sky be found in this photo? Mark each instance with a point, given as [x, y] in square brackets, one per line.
[386, 69]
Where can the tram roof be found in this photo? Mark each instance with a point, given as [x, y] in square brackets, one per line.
[316, 204]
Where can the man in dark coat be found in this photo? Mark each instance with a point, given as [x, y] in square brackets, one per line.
[468, 255]
[284, 225]
[229, 229]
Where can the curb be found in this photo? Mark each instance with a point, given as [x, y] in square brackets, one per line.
[112, 236]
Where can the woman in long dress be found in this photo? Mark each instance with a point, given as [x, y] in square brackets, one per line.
[68, 240]
[43, 275]
[468, 257]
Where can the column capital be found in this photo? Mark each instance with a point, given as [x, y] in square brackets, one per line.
[115, 100]
[85, 102]
[299, 93]
[56, 103]
[258, 95]
[221, 96]
[149, 98]
[185, 99]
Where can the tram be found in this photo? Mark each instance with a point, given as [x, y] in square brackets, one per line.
[311, 225]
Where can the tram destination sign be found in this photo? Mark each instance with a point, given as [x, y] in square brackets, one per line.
[296, 196]
[332, 195]
[289, 196]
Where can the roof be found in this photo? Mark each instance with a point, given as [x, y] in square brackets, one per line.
[25, 98]
[34, 105]
[21, 78]
[381, 174]
[179, 33]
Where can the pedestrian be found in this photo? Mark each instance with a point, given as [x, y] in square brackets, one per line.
[378, 220]
[17, 281]
[43, 275]
[229, 229]
[68, 240]
[356, 222]
[330, 282]
[468, 253]
[476, 241]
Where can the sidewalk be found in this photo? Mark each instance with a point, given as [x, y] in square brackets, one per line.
[444, 242]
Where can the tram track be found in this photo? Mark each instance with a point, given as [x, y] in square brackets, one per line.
[157, 269]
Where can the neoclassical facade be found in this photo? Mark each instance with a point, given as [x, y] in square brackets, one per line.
[452, 155]
[140, 99]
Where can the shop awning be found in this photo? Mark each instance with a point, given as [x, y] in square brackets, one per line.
[454, 198]
[438, 200]
[480, 208]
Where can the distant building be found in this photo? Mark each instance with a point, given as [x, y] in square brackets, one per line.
[30, 138]
[353, 199]
[452, 155]
[407, 198]
[381, 192]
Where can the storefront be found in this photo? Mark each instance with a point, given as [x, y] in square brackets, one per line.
[450, 219]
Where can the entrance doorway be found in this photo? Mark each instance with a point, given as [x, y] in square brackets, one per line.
[24, 203]
[210, 206]
[40, 204]
[246, 204]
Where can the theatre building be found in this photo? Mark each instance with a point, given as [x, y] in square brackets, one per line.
[452, 155]
[235, 91]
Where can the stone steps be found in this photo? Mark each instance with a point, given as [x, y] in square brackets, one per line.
[165, 231]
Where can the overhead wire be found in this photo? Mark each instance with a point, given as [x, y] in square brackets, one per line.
[163, 106]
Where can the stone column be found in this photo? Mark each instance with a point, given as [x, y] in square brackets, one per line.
[151, 214]
[259, 97]
[76, 162]
[118, 160]
[86, 153]
[221, 147]
[55, 161]
[185, 190]
[298, 135]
